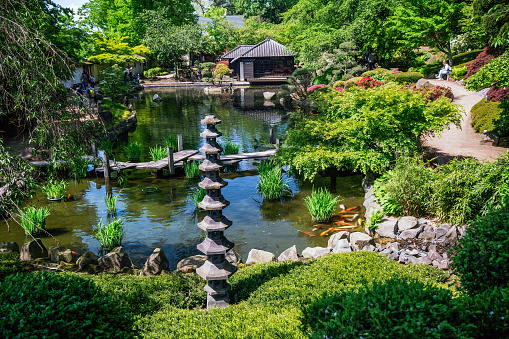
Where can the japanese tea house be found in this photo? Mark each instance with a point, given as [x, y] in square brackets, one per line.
[269, 61]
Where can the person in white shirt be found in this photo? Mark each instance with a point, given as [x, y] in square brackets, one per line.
[445, 70]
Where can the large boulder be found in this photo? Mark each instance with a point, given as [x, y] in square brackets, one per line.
[407, 223]
[156, 263]
[116, 260]
[289, 254]
[33, 250]
[315, 252]
[9, 246]
[88, 258]
[427, 235]
[190, 264]
[452, 235]
[343, 246]
[388, 227]
[333, 240]
[358, 240]
[259, 256]
[410, 234]
[441, 231]
[60, 253]
[423, 83]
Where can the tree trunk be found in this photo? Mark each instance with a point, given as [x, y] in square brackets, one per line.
[449, 53]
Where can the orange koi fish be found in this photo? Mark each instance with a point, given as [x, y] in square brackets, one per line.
[308, 233]
[327, 231]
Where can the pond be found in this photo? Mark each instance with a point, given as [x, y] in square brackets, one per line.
[167, 218]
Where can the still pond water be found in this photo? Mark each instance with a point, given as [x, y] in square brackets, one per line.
[168, 218]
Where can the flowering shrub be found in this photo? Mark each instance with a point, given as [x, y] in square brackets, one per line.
[224, 62]
[312, 88]
[495, 73]
[369, 83]
[432, 94]
[496, 94]
[340, 89]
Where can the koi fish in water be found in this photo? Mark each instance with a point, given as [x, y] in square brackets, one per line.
[345, 210]
[308, 233]
[327, 231]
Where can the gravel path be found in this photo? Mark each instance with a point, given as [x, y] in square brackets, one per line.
[464, 141]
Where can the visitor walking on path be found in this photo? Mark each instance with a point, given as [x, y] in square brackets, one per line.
[91, 95]
[463, 141]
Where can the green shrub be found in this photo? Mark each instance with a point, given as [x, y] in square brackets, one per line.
[48, 305]
[494, 73]
[271, 184]
[158, 152]
[33, 219]
[206, 73]
[321, 204]
[458, 73]
[54, 189]
[466, 57]
[192, 169]
[208, 65]
[119, 111]
[10, 264]
[483, 253]
[133, 150]
[405, 77]
[152, 72]
[396, 308]
[113, 83]
[111, 234]
[373, 72]
[405, 190]
[339, 83]
[352, 82]
[484, 114]
[374, 219]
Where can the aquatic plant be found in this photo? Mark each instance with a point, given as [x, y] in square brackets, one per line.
[111, 234]
[192, 169]
[230, 148]
[321, 204]
[111, 203]
[158, 153]
[198, 196]
[133, 150]
[171, 141]
[271, 184]
[266, 165]
[54, 189]
[33, 219]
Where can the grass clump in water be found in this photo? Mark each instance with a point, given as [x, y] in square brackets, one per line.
[198, 196]
[171, 141]
[54, 189]
[33, 219]
[271, 184]
[157, 153]
[321, 204]
[111, 203]
[133, 150]
[111, 234]
[192, 169]
[230, 148]
[266, 165]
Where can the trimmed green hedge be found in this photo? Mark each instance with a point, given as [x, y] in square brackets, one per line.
[484, 114]
[466, 57]
[405, 77]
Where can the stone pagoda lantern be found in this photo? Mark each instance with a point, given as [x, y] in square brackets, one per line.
[216, 269]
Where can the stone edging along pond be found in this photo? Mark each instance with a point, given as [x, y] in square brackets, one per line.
[407, 240]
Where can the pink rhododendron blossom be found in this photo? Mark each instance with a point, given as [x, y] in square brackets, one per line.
[312, 88]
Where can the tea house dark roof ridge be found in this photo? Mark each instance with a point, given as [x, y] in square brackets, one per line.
[266, 48]
[236, 52]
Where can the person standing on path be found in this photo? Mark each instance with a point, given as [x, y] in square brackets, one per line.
[371, 60]
[92, 81]
[91, 95]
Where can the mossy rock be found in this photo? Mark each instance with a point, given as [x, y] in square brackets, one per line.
[484, 114]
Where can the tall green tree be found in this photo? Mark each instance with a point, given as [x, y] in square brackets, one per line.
[220, 34]
[119, 18]
[270, 10]
[494, 15]
[167, 42]
[431, 23]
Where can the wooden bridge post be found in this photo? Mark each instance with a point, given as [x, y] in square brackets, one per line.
[106, 164]
[180, 146]
[272, 136]
[171, 165]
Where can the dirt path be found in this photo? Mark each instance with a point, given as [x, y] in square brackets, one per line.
[464, 142]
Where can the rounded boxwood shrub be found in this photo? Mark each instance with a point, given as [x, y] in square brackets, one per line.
[482, 254]
[377, 71]
[339, 83]
[405, 77]
[484, 114]
[397, 308]
[48, 305]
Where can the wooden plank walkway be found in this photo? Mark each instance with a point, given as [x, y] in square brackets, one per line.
[153, 165]
[237, 157]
